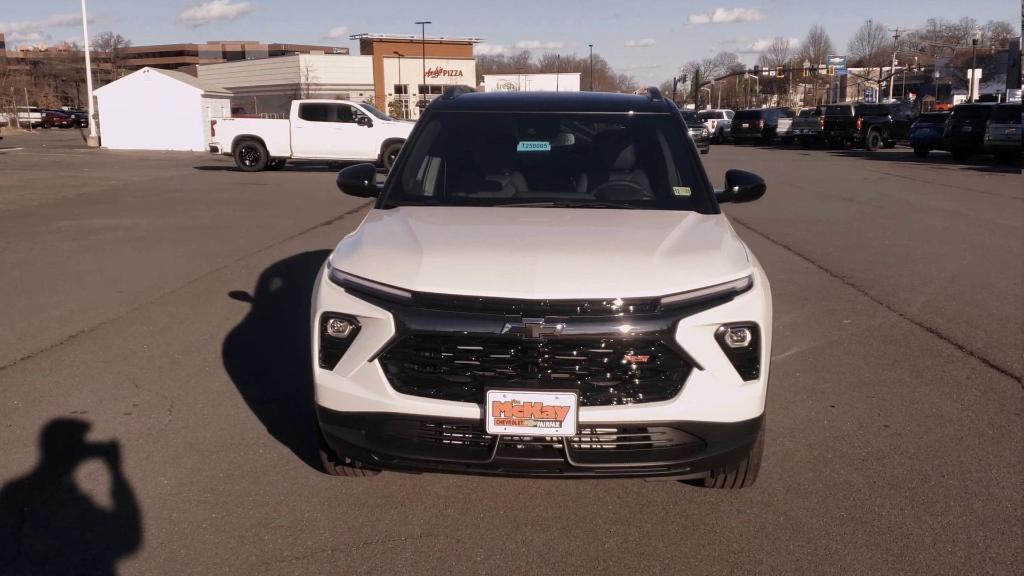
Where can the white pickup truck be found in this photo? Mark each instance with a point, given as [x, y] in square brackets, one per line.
[334, 130]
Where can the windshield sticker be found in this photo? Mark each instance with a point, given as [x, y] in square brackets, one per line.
[529, 146]
[680, 191]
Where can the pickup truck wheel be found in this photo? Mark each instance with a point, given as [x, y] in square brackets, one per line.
[742, 474]
[873, 141]
[251, 156]
[390, 154]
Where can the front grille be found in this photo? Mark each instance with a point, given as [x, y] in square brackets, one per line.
[591, 438]
[605, 371]
[536, 308]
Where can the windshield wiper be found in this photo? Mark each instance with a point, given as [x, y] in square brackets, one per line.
[587, 204]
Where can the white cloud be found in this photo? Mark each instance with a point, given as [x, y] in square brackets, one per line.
[489, 50]
[33, 31]
[538, 45]
[642, 43]
[753, 46]
[337, 33]
[213, 11]
[726, 16]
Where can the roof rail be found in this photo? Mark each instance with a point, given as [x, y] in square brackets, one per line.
[654, 94]
[453, 92]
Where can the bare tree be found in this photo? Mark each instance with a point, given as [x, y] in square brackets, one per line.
[778, 53]
[109, 46]
[606, 79]
[869, 46]
[816, 47]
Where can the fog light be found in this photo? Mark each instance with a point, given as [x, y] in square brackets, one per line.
[338, 328]
[738, 337]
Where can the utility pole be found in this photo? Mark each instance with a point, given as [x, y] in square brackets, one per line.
[93, 140]
[591, 46]
[895, 51]
[423, 53]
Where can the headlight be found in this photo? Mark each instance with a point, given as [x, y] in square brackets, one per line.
[725, 289]
[357, 284]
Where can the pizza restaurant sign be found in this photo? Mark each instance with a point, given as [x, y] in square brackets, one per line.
[438, 72]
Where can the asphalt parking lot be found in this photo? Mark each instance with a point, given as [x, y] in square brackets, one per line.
[161, 298]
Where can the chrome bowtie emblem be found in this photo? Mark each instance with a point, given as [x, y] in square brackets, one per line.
[533, 328]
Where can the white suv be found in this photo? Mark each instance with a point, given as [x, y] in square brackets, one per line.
[545, 286]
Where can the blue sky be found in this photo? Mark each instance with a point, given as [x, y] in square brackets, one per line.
[648, 39]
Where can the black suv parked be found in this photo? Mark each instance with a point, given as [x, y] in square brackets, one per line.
[965, 130]
[926, 132]
[870, 126]
[758, 124]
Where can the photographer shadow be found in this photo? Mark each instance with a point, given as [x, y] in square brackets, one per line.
[49, 526]
[268, 354]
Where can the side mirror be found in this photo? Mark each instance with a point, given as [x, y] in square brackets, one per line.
[741, 186]
[359, 180]
[364, 121]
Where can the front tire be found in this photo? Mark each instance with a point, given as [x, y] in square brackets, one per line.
[740, 475]
[251, 156]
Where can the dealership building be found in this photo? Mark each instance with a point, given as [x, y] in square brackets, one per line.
[393, 72]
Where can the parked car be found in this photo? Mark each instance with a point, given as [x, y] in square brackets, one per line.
[1003, 135]
[57, 119]
[871, 126]
[80, 118]
[926, 132]
[755, 125]
[29, 116]
[699, 133]
[964, 135]
[784, 129]
[717, 122]
[315, 130]
[436, 348]
[806, 126]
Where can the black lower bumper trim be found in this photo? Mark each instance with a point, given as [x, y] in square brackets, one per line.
[413, 443]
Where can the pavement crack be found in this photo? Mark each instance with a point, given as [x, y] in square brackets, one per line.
[846, 281]
[180, 287]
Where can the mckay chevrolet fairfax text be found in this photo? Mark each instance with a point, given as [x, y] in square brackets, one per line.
[545, 286]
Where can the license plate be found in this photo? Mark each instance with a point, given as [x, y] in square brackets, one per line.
[531, 412]
[966, 129]
[746, 126]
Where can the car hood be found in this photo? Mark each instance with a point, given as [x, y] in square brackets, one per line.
[542, 253]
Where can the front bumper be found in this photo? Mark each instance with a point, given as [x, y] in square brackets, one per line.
[406, 442]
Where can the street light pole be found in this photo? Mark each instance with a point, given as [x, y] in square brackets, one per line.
[974, 63]
[591, 46]
[423, 53]
[93, 140]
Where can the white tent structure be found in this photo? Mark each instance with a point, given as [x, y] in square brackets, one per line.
[152, 109]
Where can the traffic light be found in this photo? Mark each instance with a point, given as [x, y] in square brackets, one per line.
[831, 70]
[807, 72]
[778, 72]
[757, 70]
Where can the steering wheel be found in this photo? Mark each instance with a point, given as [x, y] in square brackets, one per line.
[622, 185]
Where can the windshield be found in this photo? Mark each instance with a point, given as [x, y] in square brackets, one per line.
[933, 118]
[564, 160]
[809, 112]
[747, 115]
[873, 110]
[971, 112]
[690, 117]
[838, 110]
[377, 113]
[1006, 115]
